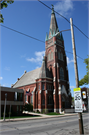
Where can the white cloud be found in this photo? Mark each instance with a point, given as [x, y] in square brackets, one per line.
[7, 68]
[37, 67]
[39, 57]
[69, 61]
[1, 78]
[72, 87]
[64, 7]
[3, 85]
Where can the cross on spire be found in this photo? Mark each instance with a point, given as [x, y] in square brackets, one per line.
[52, 8]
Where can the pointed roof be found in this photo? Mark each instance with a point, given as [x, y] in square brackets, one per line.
[53, 22]
[44, 71]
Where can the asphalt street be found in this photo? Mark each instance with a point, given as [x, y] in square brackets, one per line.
[48, 126]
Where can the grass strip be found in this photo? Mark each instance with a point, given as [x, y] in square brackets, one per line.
[54, 113]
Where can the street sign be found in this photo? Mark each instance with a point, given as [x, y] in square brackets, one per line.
[84, 94]
[78, 100]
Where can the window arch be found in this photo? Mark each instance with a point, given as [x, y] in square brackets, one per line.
[61, 73]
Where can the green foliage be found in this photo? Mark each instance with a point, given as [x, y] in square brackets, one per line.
[84, 80]
[28, 107]
[4, 4]
[72, 98]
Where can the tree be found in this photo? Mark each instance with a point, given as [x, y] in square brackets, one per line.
[84, 80]
[4, 3]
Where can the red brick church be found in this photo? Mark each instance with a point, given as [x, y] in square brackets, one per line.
[49, 84]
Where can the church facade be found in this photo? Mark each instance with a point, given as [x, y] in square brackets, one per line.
[49, 84]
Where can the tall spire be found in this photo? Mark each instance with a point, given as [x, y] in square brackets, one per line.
[44, 71]
[53, 23]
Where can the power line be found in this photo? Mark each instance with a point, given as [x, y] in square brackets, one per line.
[34, 37]
[22, 33]
[76, 55]
[64, 18]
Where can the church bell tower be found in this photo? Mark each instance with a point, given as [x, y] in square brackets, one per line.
[56, 61]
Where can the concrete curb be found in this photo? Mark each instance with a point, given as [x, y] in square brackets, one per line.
[34, 118]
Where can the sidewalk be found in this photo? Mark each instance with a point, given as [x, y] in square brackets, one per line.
[43, 116]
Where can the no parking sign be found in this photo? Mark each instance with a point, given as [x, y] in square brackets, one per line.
[77, 99]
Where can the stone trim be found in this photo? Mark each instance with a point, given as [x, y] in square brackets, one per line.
[54, 79]
[59, 92]
[46, 91]
[54, 92]
[58, 80]
[56, 110]
[34, 89]
[40, 91]
[59, 87]
[54, 64]
[40, 110]
[59, 110]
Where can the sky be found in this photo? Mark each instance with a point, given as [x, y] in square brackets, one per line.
[19, 52]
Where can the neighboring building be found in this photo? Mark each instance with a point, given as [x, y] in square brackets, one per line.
[49, 84]
[14, 100]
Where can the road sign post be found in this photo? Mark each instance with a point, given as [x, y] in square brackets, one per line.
[76, 75]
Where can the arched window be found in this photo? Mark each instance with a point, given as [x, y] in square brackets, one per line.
[43, 87]
[49, 99]
[32, 98]
[61, 56]
[61, 73]
[43, 101]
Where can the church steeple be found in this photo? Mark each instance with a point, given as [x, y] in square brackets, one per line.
[53, 23]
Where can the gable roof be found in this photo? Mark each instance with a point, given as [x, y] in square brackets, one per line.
[27, 78]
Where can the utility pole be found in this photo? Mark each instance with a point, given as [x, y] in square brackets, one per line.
[76, 75]
[5, 105]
